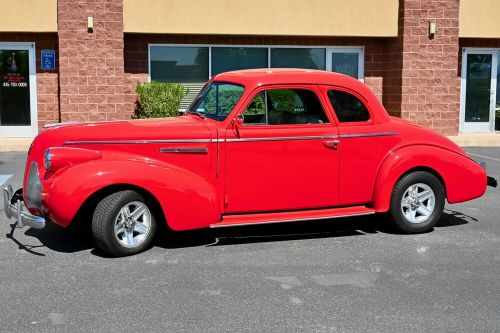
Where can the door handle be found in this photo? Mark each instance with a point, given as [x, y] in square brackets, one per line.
[333, 144]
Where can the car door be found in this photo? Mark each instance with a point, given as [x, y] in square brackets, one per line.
[364, 143]
[282, 153]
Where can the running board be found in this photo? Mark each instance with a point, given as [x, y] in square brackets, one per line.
[305, 215]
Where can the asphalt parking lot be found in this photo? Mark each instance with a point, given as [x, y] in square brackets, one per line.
[349, 275]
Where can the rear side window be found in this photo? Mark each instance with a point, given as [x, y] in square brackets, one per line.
[285, 107]
[348, 108]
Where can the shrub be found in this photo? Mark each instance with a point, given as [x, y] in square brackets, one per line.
[158, 99]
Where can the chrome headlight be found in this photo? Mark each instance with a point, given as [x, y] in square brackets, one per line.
[34, 188]
[46, 159]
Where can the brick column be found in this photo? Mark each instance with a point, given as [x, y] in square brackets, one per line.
[424, 80]
[91, 63]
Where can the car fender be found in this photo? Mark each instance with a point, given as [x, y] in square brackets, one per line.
[187, 200]
[463, 178]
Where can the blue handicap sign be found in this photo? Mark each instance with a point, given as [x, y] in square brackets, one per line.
[48, 60]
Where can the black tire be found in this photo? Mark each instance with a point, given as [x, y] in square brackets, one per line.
[398, 219]
[106, 215]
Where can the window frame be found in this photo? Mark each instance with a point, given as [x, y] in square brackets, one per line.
[326, 89]
[328, 51]
[361, 59]
[313, 88]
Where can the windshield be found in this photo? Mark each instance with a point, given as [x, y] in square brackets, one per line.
[216, 100]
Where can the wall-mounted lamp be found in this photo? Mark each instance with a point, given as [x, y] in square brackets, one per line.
[90, 23]
[432, 29]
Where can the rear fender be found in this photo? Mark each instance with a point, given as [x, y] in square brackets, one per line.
[462, 178]
[187, 200]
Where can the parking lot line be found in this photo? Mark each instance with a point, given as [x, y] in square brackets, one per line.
[490, 158]
[4, 178]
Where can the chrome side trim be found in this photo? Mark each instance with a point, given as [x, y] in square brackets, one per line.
[132, 142]
[292, 220]
[184, 150]
[282, 138]
[367, 135]
[285, 138]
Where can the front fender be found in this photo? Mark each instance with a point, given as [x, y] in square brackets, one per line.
[463, 178]
[187, 200]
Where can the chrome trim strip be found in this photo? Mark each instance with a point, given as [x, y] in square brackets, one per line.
[367, 135]
[184, 150]
[282, 138]
[286, 221]
[285, 138]
[131, 142]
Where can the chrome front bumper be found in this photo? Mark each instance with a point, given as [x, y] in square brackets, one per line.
[14, 208]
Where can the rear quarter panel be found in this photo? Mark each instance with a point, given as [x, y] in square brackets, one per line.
[463, 178]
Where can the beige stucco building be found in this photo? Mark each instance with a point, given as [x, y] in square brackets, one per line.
[433, 62]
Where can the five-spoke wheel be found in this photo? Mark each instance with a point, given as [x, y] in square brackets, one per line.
[417, 202]
[123, 223]
[133, 224]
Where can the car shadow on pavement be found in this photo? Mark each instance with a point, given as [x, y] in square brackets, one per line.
[64, 241]
[330, 228]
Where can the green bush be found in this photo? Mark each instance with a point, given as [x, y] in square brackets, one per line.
[159, 100]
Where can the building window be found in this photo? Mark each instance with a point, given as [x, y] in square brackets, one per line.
[226, 59]
[310, 58]
[179, 64]
[193, 65]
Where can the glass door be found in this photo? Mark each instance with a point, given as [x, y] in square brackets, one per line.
[348, 61]
[17, 90]
[478, 96]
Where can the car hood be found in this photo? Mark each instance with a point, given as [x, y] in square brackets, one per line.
[182, 128]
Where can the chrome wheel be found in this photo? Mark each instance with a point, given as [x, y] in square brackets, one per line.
[417, 203]
[132, 224]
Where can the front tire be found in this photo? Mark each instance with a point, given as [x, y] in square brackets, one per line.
[123, 224]
[417, 202]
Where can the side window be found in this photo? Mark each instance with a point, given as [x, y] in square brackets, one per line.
[285, 107]
[347, 107]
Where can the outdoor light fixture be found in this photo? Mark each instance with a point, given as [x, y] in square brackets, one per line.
[90, 23]
[432, 29]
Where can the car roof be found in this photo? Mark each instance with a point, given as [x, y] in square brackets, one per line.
[253, 78]
[287, 76]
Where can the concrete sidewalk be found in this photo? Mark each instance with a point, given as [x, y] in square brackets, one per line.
[477, 140]
[463, 140]
[15, 144]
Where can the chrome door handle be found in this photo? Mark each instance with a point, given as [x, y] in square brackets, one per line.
[333, 144]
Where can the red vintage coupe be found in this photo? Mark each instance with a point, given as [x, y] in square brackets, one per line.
[255, 146]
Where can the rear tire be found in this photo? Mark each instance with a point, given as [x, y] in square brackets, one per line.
[123, 224]
[417, 202]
